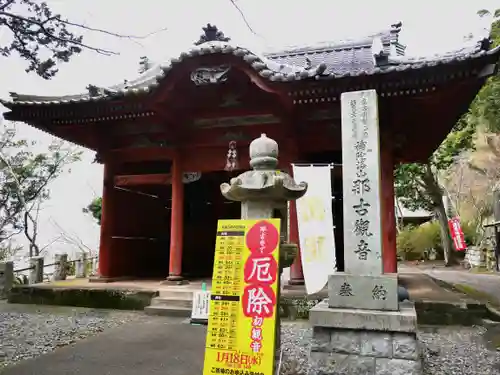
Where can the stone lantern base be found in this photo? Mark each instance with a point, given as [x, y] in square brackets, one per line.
[369, 342]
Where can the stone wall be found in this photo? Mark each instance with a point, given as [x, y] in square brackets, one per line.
[344, 351]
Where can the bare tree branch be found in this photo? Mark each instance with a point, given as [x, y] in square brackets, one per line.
[233, 2]
[107, 32]
[36, 29]
[73, 240]
[7, 4]
[47, 33]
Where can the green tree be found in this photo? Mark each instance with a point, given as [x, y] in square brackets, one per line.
[25, 177]
[417, 185]
[486, 107]
[95, 209]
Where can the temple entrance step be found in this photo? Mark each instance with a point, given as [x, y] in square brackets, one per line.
[168, 311]
[171, 303]
[177, 294]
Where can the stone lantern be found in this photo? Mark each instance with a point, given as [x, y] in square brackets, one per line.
[265, 191]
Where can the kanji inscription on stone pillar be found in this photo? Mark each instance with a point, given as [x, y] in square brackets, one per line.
[361, 183]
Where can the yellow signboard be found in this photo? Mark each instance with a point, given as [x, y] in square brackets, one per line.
[243, 306]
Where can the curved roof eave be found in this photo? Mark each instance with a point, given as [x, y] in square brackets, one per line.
[263, 66]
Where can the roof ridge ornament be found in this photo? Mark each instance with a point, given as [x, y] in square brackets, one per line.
[396, 27]
[211, 34]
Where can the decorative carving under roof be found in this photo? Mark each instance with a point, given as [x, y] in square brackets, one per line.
[210, 75]
[212, 34]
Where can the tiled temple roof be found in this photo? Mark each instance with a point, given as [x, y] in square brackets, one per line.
[376, 54]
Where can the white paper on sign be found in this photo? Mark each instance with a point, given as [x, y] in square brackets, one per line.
[201, 305]
[315, 224]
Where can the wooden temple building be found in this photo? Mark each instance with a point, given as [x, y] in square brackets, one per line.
[169, 138]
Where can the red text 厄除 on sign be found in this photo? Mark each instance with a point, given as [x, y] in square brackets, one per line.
[260, 273]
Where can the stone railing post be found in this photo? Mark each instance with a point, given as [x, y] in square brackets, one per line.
[95, 266]
[81, 265]
[61, 267]
[36, 271]
[6, 278]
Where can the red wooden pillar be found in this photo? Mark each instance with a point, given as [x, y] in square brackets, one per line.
[389, 249]
[176, 222]
[107, 224]
[296, 272]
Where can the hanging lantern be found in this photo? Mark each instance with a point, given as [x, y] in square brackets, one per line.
[232, 157]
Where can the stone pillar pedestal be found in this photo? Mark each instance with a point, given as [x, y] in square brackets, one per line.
[369, 342]
[61, 271]
[6, 278]
[81, 266]
[36, 271]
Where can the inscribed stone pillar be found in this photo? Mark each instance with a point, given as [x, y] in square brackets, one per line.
[361, 183]
[362, 285]
[361, 328]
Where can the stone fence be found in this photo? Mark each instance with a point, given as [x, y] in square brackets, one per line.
[81, 267]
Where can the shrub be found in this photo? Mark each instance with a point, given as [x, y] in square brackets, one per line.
[404, 243]
[414, 243]
[427, 236]
[470, 234]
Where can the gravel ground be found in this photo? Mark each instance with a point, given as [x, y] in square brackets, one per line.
[29, 331]
[446, 351]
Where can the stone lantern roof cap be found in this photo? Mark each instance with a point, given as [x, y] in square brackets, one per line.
[263, 153]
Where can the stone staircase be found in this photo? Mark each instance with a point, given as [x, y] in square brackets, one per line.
[171, 303]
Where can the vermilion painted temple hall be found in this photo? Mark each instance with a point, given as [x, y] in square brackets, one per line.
[169, 138]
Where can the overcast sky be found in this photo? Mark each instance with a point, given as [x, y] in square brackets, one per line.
[428, 27]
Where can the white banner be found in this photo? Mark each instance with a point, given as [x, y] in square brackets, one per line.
[315, 224]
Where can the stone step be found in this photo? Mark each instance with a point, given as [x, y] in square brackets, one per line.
[172, 302]
[177, 294]
[168, 311]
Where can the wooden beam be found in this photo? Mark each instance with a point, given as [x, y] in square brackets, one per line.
[231, 112]
[143, 179]
[141, 154]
